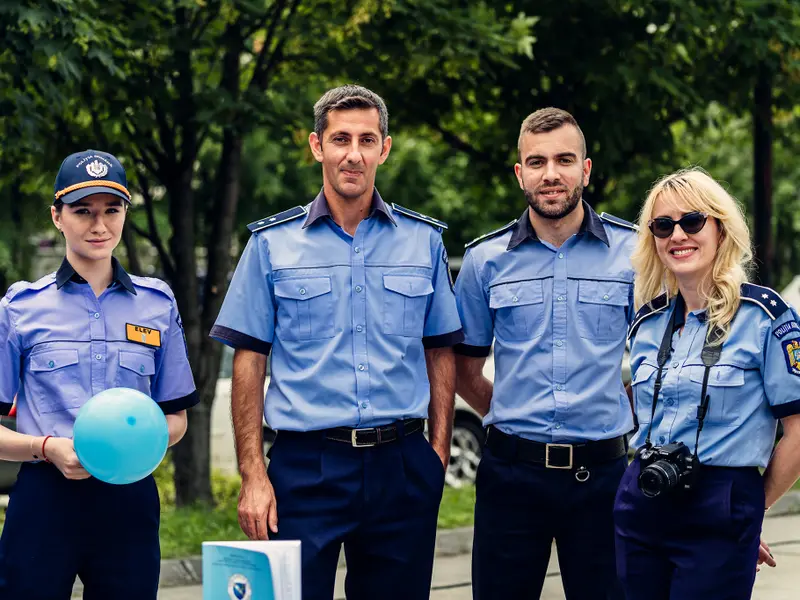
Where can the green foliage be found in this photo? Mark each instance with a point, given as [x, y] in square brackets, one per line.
[457, 508]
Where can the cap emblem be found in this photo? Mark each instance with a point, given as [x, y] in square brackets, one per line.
[97, 169]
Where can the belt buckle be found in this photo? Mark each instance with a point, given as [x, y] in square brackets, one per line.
[354, 438]
[547, 456]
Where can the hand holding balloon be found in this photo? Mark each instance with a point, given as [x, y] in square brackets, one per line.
[120, 435]
[61, 452]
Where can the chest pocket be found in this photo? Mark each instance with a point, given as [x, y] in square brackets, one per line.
[54, 382]
[405, 304]
[305, 308]
[644, 380]
[725, 387]
[136, 370]
[601, 310]
[518, 310]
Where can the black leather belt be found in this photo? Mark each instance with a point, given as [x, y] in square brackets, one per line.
[374, 436]
[554, 456]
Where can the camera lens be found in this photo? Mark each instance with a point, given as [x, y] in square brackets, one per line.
[657, 478]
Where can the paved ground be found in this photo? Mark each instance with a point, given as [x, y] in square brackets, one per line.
[452, 574]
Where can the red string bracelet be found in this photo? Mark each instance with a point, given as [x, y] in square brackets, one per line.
[43, 452]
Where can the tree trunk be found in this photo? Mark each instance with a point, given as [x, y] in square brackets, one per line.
[762, 178]
[134, 264]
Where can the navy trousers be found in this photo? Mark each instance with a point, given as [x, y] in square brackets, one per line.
[686, 546]
[56, 529]
[521, 507]
[381, 503]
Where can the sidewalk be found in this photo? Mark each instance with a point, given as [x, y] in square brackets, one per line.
[451, 579]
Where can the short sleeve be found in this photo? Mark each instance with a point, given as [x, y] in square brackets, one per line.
[173, 383]
[781, 366]
[10, 355]
[247, 317]
[442, 325]
[473, 308]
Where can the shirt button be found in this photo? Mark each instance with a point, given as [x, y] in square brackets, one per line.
[661, 439]
[558, 425]
[302, 291]
[668, 402]
[98, 356]
[141, 368]
[560, 255]
[605, 297]
[361, 367]
[356, 249]
[559, 343]
[363, 405]
[51, 364]
[359, 328]
[515, 299]
[559, 387]
[96, 315]
[560, 298]
[358, 288]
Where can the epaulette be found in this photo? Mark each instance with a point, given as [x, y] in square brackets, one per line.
[154, 283]
[26, 286]
[491, 234]
[419, 216]
[655, 306]
[617, 221]
[15, 288]
[281, 217]
[766, 298]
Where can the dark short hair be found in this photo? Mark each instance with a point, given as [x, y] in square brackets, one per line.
[548, 119]
[348, 97]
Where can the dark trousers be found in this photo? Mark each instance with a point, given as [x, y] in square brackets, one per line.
[381, 502]
[687, 546]
[521, 508]
[56, 529]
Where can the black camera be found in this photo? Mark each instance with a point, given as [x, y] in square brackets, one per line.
[667, 467]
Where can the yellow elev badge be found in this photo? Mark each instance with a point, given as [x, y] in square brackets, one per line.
[143, 335]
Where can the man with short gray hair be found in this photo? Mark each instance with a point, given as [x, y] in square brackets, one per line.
[353, 299]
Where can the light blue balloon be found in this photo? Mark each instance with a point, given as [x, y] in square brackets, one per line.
[120, 435]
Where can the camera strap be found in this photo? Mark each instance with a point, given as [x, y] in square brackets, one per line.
[710, 356]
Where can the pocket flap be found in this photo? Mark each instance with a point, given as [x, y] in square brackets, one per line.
[611, 293]
[643, 373]
[518, 293]
[143, 364]
[408, 285]
[51, 360]
[721, 376]
[303, 289]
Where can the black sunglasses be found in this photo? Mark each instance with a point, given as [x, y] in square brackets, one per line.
[692, 222]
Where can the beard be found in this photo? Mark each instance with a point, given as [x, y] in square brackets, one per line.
[557, 210]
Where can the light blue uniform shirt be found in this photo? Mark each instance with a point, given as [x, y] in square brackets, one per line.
[347, 318]
[558, 318]
[755, 382]
[60, 345]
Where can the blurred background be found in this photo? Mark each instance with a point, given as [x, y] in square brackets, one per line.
[208, 103]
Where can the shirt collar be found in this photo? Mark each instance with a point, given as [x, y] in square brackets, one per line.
[67, 273]
[592, 224]
[319, 208]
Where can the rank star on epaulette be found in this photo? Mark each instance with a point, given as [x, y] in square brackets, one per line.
[282, 217]
[768, 299]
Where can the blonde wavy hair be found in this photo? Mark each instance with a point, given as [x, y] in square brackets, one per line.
[695, 190]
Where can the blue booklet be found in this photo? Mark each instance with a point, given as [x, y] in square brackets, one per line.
[251, 570]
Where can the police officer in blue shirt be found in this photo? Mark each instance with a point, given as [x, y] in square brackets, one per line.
[553, 290]
[715, 363]
[352, 299]
[64, 338]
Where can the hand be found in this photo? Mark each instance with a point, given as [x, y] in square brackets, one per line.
[444, 454]
[765, 556]
[61, 452]
[258, 508]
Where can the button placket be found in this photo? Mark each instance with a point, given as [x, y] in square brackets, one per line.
[98, 365]
[559, 334]
[359, 316]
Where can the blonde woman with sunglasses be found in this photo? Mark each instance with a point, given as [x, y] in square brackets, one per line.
[715, 363]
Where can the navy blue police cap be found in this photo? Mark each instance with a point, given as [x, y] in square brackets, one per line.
[90, 172]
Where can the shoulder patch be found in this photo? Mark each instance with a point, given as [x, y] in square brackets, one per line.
[768, 299]
[655, 306]
[491, 234]
[281, 217]
[419, 216]
[617, 221]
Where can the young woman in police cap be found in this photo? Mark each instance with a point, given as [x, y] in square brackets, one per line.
[63, 339]
[714, 362]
